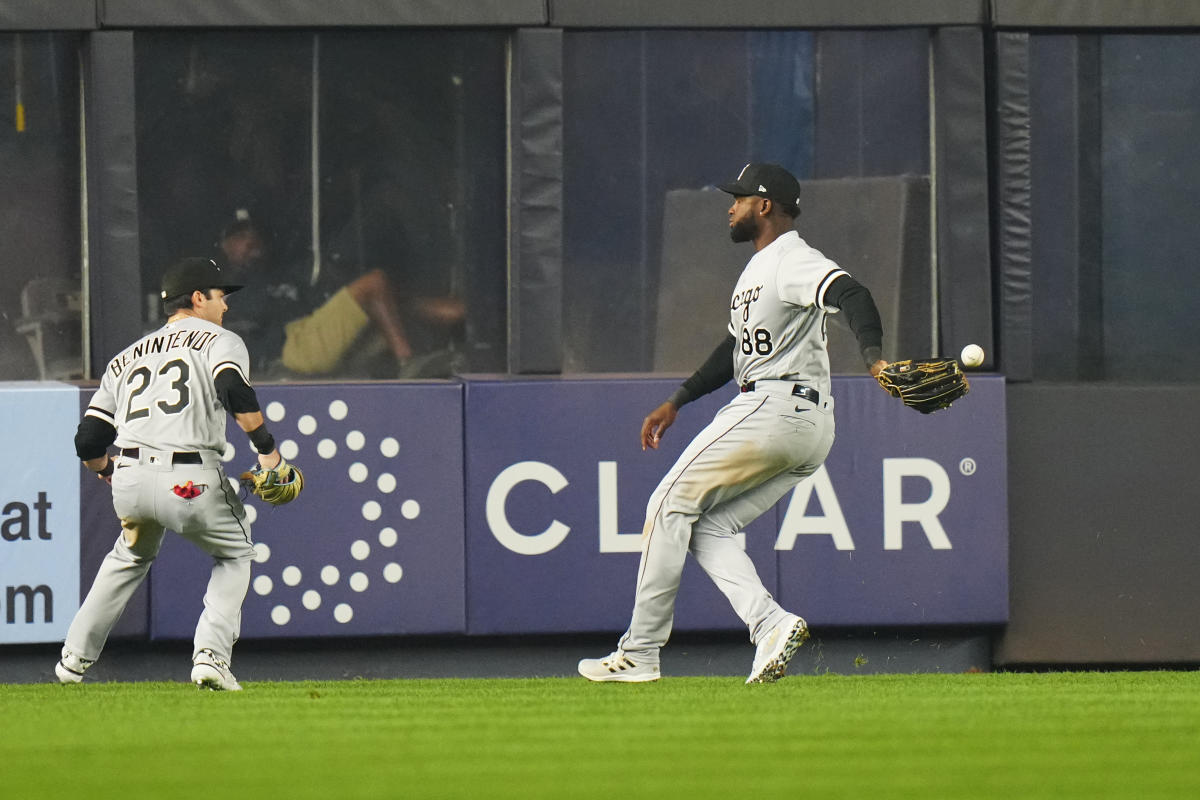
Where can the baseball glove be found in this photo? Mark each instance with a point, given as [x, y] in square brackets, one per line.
[927, 386]
[276, 486]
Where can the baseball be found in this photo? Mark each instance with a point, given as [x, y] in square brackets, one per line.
[972, 355]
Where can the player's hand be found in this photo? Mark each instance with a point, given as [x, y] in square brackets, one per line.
[102, 466]
[877, 368]
[270, 460]
[656, 423]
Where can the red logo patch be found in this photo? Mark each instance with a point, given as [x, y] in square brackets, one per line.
[188, 490]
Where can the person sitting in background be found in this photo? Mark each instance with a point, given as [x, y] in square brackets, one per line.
[290, 324]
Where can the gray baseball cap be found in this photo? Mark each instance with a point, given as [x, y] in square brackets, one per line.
[767, 180]
[193, 274]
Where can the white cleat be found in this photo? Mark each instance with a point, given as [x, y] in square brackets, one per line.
[71, 667]
[213, 673]
[777, 648]
[619, 667]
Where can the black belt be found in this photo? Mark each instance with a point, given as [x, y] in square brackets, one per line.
[799, 390]
[176, 458]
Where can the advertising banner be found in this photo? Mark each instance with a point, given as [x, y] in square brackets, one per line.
[557, 487]
[374, 544]
[905, 525]
[39, 512]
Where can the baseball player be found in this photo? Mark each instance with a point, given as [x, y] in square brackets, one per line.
[163, 402]
[773, 434]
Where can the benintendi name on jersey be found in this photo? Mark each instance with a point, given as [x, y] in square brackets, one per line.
[196, 340]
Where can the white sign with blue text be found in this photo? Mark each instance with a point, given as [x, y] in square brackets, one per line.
[39, 512]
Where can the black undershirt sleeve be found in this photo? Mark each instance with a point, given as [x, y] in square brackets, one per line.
[92, 438]
[855, 301]
[714, 373]
[235, 394]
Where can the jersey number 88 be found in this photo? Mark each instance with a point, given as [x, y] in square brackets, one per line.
[760, 344]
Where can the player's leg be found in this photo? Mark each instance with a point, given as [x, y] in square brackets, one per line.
[696, 481]
[807, 438]
[722, 462]
[718, 552]
[121, 573]
[802, 439]
[216, 522]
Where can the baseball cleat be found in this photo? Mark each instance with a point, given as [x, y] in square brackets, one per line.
[213, 673]
[71, 667]
[619, 667]
[777, 648]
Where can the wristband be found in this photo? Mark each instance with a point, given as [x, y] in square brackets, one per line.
[262, 440]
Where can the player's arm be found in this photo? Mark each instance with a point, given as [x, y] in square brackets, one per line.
[715, 372]
[93, 437]
[241, 402]
[862, 315]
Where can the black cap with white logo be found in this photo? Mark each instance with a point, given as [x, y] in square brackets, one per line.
[767, 180]
[194, 274]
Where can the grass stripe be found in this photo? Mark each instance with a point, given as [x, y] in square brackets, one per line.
[1053, 735]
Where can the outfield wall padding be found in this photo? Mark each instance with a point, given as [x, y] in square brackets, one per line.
[1094, 13]
[319, 13]
[719, 14]
[1103, 541]
[40, 15]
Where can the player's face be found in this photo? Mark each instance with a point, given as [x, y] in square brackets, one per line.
[212, 307]
[743, 221]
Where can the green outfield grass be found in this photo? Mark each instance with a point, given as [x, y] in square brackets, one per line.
[1058, 735]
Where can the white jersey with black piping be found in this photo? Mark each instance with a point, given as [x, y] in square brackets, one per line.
[159, 392]
[777, 315]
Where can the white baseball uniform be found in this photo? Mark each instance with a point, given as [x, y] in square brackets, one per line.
[159, 394]
[776, 432]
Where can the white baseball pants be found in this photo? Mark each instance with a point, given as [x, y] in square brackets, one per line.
[145, 500]
[756, 449]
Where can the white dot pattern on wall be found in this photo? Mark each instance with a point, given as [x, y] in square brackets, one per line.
[366, 561]
[275, 411]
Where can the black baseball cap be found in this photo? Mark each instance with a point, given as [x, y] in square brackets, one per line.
[767, 180]
[193, 274]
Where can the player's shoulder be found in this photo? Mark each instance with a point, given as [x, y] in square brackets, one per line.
[229, 342]
[796, 253]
